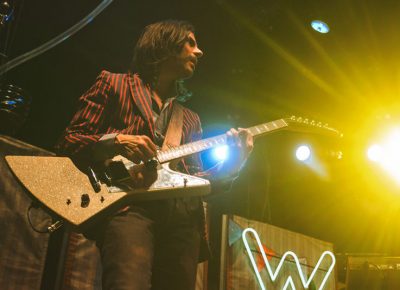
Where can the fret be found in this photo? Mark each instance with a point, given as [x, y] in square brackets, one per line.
[252, 131]
[220, 141]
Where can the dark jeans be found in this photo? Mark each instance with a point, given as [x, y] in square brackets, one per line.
[153, 245]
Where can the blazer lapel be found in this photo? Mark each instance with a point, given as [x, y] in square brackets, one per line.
[142, 98]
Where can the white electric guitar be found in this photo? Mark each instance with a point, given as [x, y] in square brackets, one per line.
[57, 184]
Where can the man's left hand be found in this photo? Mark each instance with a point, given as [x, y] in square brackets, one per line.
[242, 143]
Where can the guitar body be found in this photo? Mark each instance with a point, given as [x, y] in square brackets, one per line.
[64, 189]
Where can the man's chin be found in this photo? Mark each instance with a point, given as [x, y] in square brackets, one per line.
[187, 74]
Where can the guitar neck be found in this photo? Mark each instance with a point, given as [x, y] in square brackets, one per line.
[265, 128]
[191, 148]
[201, 145]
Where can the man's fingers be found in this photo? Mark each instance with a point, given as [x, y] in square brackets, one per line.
[233, 137]
[246, 139]
[148, 149]
[242, 139]
[139, 179]
[135, 154]
[137, 148]
[150, 143]
[132, 156]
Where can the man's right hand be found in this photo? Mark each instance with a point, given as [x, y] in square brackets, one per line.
[136, 148]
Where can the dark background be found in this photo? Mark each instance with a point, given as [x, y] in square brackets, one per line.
[262, 61]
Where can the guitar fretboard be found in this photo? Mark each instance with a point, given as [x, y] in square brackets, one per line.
[201, 145]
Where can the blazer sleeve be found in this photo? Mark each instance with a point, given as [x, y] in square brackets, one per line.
[84, 130]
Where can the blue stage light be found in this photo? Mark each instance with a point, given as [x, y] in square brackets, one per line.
[320, 26]
[220, 153]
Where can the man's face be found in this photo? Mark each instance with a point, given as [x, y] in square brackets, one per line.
[183, 65]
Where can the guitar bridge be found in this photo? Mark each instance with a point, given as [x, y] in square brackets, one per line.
[94, 181]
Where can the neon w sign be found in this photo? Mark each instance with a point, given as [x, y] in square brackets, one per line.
[273, 275]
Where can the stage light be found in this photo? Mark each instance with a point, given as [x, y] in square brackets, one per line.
[320, 26]
[375, 153]
[221, 153]
[303, 153]
[387, 154]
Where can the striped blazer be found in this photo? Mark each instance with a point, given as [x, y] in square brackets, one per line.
[122, 103]
[119, 103]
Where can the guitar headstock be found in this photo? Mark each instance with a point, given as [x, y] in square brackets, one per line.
[311, 126]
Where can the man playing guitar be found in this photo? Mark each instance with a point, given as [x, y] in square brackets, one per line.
[149, 244]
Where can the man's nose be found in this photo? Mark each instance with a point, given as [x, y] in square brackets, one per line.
[198, 52]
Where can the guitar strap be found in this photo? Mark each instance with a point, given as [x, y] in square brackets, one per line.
[174, 131]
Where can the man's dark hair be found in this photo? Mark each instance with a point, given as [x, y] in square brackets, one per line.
[159, 41]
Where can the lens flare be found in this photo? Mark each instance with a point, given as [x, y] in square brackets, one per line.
[221, 153]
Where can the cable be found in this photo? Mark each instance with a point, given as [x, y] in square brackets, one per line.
[30, 222]
[49, 229]
[12, 29]
[56, 40]
[266, 211]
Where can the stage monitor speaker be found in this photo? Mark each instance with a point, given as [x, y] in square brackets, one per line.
[22, 250]
[373, 273]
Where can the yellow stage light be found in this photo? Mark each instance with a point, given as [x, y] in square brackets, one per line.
[374, 153]
[388, 154]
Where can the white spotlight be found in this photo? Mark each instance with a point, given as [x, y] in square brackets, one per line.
[320, 26]
[375, 153]
[303, 153]
[221, 153]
